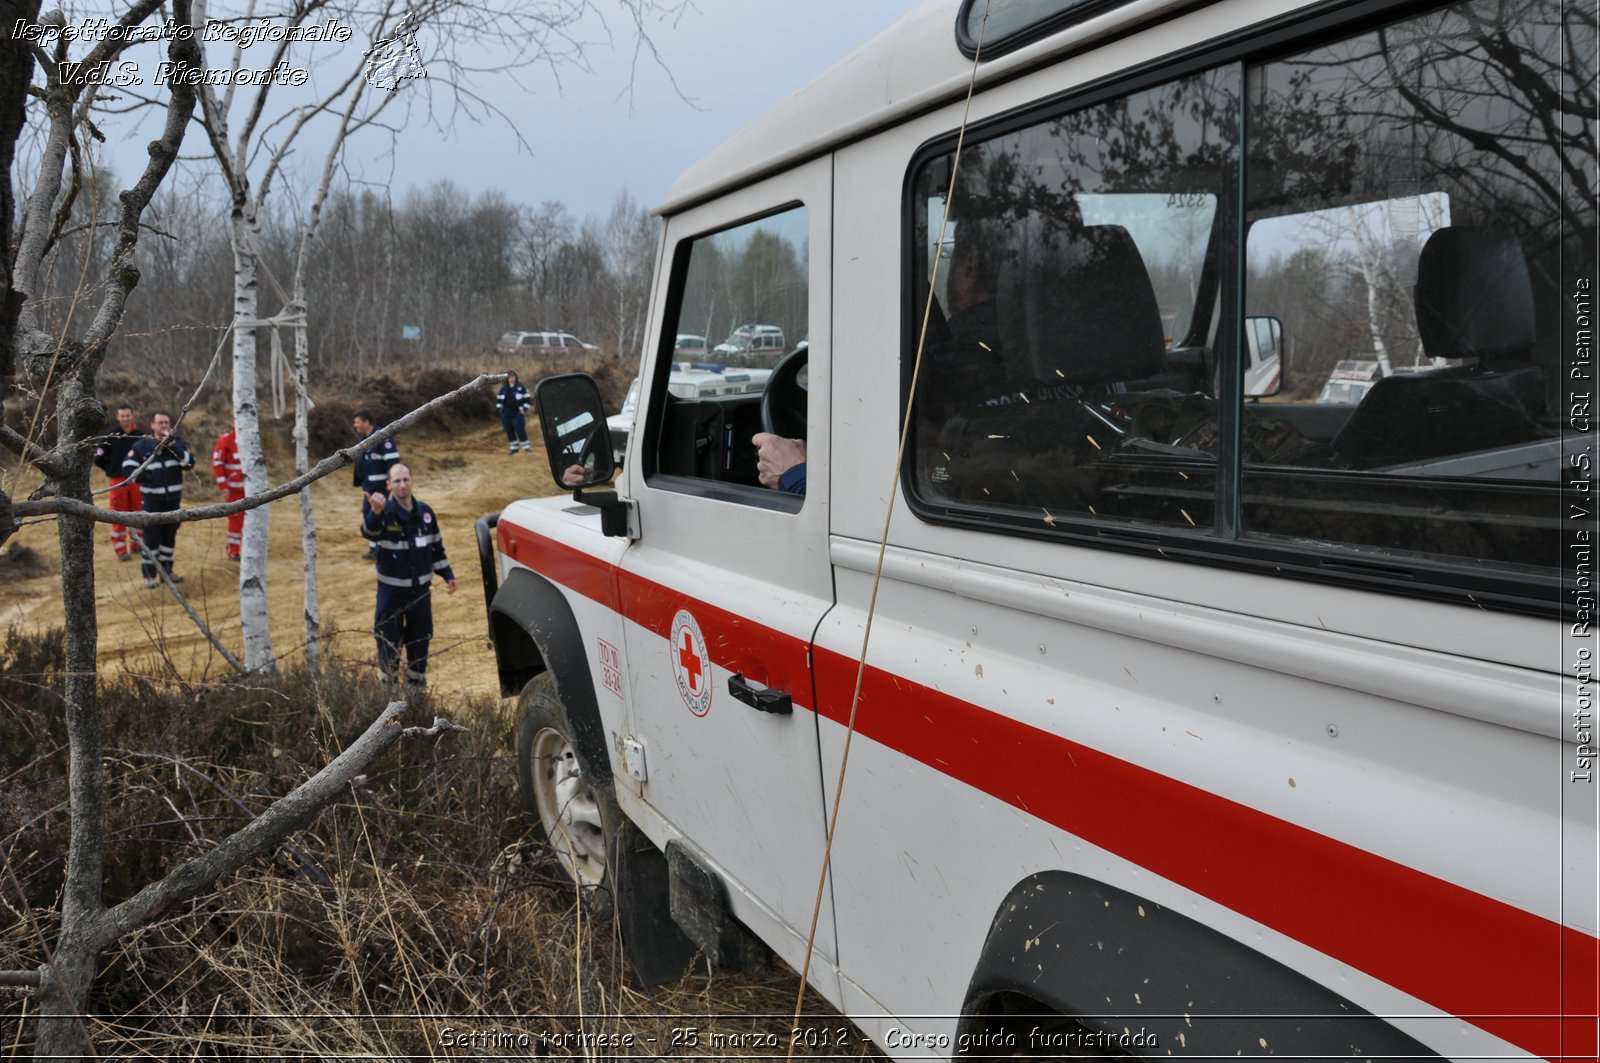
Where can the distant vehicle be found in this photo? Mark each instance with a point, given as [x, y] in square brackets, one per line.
[686, 381]
[1350, 381]
[1263, 375]
[752, 339]
[687, 345]
[542, 343]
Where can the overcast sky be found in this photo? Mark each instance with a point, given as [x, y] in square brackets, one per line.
[590, 136]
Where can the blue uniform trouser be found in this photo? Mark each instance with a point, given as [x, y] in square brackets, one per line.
[516, 426]
[404, 621]
[159, 539]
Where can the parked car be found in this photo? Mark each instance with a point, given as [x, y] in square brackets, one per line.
[686, 381]
[542, 343]
[752, 339]
[687, 345]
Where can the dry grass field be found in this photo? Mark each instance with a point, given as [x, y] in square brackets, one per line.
[419, 919]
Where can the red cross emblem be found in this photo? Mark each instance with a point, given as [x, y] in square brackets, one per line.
[690, 660]
[691, 665]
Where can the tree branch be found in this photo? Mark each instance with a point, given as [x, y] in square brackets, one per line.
[337, 460]
[261, 835]
[205, 629]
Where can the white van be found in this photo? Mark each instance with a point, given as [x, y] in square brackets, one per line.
[1187, 724]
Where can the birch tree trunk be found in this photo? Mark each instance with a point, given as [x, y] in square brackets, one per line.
[302, 462]
[258, 656]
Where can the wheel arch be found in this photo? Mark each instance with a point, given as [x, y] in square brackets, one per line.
[1112, 961]
[534, 631]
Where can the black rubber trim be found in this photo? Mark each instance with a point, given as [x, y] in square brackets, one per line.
[1111, 961]
[534, 631]
[484, 529]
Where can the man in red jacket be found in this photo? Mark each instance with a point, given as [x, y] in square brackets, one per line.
[110, 450]
[229, 473]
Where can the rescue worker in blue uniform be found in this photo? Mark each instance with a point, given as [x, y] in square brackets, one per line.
[371, 471]
[156, 463]
[410, 555]
[513, 401]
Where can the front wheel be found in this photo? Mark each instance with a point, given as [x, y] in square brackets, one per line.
[576, 816]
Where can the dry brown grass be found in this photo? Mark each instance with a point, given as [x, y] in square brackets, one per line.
[421, 904]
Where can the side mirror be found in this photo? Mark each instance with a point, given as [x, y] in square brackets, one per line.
[573, 422]
[1263, 368]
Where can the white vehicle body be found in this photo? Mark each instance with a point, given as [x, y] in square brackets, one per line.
[1091, 754]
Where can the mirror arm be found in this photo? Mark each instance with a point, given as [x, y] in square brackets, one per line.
[614, 511]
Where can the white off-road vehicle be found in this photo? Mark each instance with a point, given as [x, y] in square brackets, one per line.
[1158, 720]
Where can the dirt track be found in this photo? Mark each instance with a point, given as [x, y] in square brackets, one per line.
[462, 477]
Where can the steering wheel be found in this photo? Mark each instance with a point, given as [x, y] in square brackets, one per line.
[783, 403]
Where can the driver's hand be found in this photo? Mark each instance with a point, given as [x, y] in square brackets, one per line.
[574, 475]
[775, 456]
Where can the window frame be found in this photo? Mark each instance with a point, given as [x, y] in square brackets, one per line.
[1464, 582]
[649, 442]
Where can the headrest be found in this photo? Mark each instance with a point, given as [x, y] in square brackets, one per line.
[1091, 313]
[1473, 296]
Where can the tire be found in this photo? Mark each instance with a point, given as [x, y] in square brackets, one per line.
[578, 818]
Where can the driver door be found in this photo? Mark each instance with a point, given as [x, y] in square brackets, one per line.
[728, 579]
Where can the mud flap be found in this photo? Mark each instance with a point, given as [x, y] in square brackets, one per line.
[699, 904]
[656, 949]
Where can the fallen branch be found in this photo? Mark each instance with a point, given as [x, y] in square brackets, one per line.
[440, 726]
[261, 835]
[339, 459]
[27, 979]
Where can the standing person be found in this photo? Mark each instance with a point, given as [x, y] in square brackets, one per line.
[110, 450]
[513, 402]
[371, 474]
[229, 474]
[410, 552]
[157, 462]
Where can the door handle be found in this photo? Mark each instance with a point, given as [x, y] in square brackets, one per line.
[765, 699]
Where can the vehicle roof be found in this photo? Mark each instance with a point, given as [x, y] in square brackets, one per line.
[909, 67]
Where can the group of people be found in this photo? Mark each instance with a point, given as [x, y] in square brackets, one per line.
[145, 471]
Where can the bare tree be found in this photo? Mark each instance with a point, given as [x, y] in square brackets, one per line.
[629, 241]
[66, 369]
[62, 369]
[253, 134]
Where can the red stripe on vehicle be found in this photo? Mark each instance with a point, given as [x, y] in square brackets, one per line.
[574, 569]
[1493, 964]
[734, 643]
[1519, 976]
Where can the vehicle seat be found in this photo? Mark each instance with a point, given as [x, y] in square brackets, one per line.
[1091, 312]
[1474, 302]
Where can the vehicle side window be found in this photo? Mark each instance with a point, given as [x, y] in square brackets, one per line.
[753, 272]
[1066, 262]
[1366, 387]
[1405, 198]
